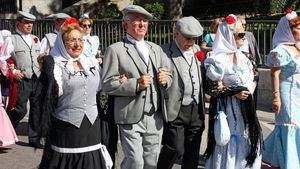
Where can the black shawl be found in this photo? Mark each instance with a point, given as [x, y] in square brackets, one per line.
[46, 98]
[250, 119]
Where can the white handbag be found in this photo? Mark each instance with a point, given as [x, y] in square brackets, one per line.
[221, 128]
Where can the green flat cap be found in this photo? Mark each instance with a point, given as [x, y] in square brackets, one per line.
[58, 16]
[189, 26]
[136, 9]
[26, 16]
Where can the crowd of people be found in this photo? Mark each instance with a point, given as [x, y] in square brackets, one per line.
[156, 93]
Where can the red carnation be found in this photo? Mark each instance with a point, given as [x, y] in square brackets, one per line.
[69, 21]
[288, 11]
[230, 19]
[35, 40]
[274, 55]
[200, 55]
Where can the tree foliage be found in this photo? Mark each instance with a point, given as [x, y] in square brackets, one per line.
[156, 9]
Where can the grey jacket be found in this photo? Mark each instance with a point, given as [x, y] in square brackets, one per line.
[122, 58]
[175, 92]
[253, 47]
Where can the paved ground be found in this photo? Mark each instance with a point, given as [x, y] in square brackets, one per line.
[21, 156]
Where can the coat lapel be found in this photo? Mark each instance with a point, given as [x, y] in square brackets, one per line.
[198, 63]
[131, 51]
[176, 57]
[153, 57]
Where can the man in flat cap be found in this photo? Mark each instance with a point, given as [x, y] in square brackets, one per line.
[185, 105]
[47, 42]
[26, 71]
[136, 73]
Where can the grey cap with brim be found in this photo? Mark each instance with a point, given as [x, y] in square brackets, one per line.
[136, 9]
[58, 16]
[26, 16]
[189, 26]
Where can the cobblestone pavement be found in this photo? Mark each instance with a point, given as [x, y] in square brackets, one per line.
[21, 156]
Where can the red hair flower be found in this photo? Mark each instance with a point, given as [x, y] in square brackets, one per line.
[230, 19]
[288, 11]
[274, 55]
[35, 40]
[290, 14]
[69, 21]
[200, 55]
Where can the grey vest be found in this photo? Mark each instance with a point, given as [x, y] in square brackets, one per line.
[51, 37]
[191, 82]
[25, 57]
[152, 92]
[79, 97]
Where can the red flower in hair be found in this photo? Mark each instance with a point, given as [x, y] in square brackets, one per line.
[288, 11]
[35, 40]
[230, 19]
[200, 55]
[69, 21]
[274, 55]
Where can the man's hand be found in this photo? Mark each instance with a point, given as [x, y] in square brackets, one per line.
[243, 95]
[144, 81]
[18, 75]
[162, 76]
[122, 78]
[40, 58]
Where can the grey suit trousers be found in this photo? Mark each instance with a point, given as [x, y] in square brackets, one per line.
[141, 142]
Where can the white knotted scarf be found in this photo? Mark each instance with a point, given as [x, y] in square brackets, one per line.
[60, 54]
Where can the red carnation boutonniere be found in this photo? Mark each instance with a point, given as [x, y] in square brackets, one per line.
[35, 40]
[69, 21]
[200, 55]
[230, 19]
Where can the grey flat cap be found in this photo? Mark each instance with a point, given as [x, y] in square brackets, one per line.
[26, 16]
[58, 16]
[189, 26]
[136, 9]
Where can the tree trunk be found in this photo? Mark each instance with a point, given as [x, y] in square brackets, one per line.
[173, 9]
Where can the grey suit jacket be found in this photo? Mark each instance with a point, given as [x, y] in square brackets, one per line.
[253, 47]
[174, 94]
[122, 58]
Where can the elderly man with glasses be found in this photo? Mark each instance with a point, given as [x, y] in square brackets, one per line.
[185, 105]
[136, 72]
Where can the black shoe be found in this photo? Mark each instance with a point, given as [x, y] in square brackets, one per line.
[36, 145]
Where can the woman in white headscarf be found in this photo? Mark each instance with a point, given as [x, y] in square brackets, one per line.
[73, 140]
[282, 148]
[7, 133]
[232, 72]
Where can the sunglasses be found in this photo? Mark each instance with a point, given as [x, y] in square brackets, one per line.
[240, 35]
[190, 38]
[86, 25]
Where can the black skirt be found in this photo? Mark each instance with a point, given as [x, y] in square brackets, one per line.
[65, 136]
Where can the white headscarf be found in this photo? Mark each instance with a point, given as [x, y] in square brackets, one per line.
[60, 54]
[6, 48]
[283, 33]
[224, 41]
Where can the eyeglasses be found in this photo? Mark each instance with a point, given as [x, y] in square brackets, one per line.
[86, 25]
[240, 35]
[74, 40]
[138, 20]
[190, 38]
